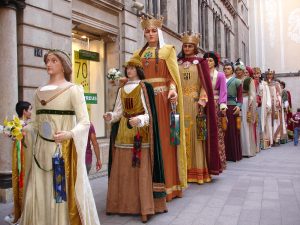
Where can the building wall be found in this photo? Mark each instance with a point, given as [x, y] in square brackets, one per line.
[47, 25]
[275, 40]
[275, 35]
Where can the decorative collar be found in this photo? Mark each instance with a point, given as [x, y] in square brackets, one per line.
[133, 82]
[193, 60]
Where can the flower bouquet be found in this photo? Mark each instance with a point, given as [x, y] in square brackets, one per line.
[12, 128]
[114, 74]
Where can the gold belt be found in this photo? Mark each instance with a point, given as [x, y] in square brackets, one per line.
[160, 89]
[156, 80]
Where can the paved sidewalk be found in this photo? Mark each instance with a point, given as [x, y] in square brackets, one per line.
[262, 190]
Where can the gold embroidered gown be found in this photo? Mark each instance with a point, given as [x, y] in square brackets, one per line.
[66, 112]
[197, 170]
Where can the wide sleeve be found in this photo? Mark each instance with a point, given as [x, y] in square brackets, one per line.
[118, 109]
[83, 192]
[223, 91]
[268, 97]
[239, 95]
[252, 93]
[80, 108]
[145, 117]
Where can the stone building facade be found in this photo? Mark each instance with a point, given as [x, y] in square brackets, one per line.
[110, 29]
[275, 40]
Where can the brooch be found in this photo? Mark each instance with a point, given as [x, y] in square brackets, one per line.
[186, 64]
[196, 61]
[147, 55]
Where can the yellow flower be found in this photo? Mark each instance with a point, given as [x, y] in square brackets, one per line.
[16, 132]
[17, 121]
[19, 137]
[10, 124]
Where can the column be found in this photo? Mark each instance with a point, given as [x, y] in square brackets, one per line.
[8, 85]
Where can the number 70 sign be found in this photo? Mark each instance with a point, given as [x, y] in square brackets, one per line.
[81, 72]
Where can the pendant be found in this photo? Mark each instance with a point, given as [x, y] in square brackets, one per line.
[43, 102]
[46, 130]
[147, 55]
[186, 65]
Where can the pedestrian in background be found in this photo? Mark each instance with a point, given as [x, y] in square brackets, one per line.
[89, 154]
[23, 109]
[296, 120]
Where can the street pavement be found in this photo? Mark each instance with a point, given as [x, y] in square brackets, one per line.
[261, 190]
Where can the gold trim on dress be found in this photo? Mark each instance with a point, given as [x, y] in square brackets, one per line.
[155, 80]
[172, 189]
[160, 89]
[44, 102]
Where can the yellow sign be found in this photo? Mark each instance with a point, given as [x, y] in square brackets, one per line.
[81, 73]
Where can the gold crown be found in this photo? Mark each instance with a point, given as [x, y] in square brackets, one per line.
[134, 62]
[151, 22]
[270, 72]
[193, 38]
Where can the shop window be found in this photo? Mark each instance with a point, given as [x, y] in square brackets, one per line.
[88, 71]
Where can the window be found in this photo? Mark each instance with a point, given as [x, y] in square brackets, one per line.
[227, 42]
[151, 7]
[182, 15]
[203, 23]
[244, 52]
[217, 33]
[90, 74]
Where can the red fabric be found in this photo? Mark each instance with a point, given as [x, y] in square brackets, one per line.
[89, 153]
[290, 124]
[239, 95]
[250, 71]
[258, 98]
[212, 152]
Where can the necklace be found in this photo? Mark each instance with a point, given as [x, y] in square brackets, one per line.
[147, 55]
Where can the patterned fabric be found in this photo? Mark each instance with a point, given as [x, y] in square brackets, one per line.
[221, 143]
[89, 153]
[59, 177]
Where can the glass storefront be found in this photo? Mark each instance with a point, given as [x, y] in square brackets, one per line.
[88, 70]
